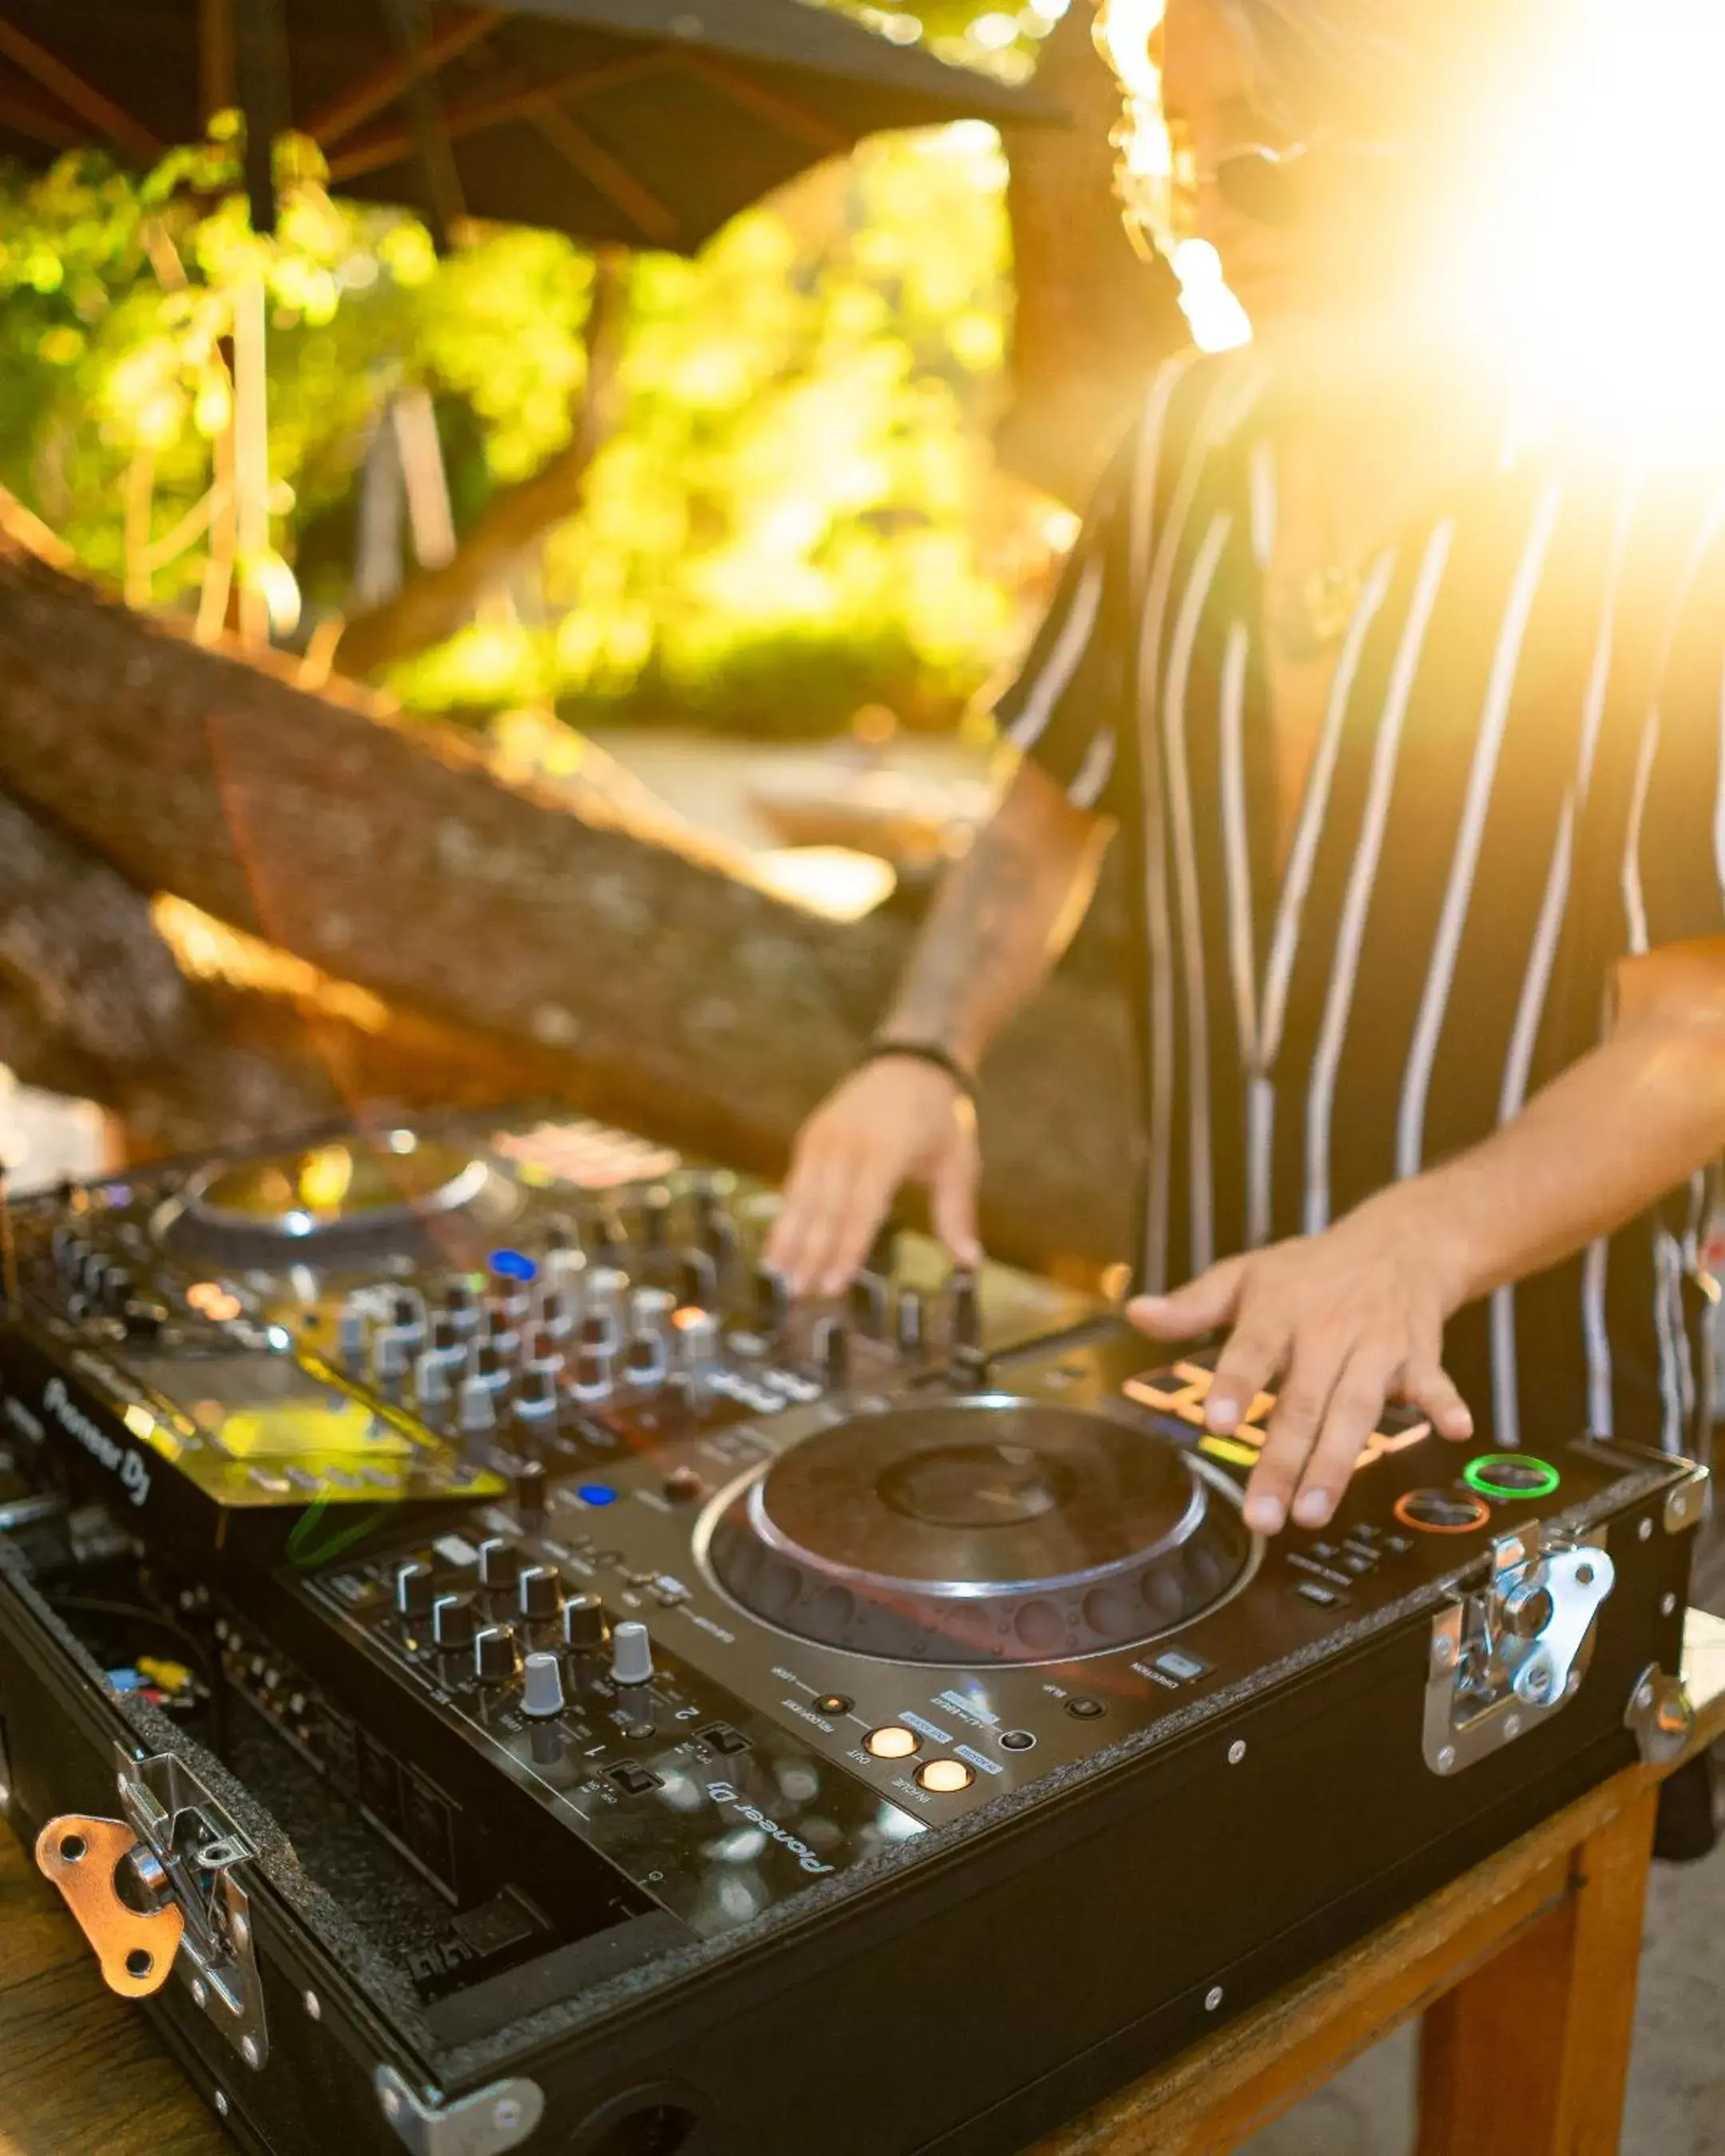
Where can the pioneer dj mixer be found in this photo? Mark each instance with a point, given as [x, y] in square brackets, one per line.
[863, 1726]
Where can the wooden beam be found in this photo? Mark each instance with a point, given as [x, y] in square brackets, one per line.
[216, 74]
[654, 221]
[513, 99]
[111, 122]
[461, 29]
[24, 114]
[780, 112]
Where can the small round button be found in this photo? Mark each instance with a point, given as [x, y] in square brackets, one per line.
[1084, 1708]
[835, 1702]
[1016, 1740]
[892, 1741]
[945, 1777]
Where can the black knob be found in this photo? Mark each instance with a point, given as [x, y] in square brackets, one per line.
[966, 1309]
[452, 1621]
[461, 1304]
[536, 1400]
[598, 1331]
[697, 1281]
[831, 1342]
[144, 1321]
[494, 1654]
[445, 1335]
[867, 1302]
[501, 1329]
[718, 1238]
[647, 1359]
[910, 1322]
[585, 1624]
[528, 1484]
[413, 1588]
[883, 1251]
[499, 1565]
[93, 1273]
[541, 1592]
[684, 1485]
[773, 1298]
[542, 1352]
[485, 1360]
[655, 1217]
[116, 1290]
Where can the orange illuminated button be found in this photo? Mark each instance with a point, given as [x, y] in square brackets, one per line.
[892, 1741]
[945, 1777]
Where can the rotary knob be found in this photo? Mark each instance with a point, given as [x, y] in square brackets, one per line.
[555, 1315]
[655, 1217]
[452, 1621]
[585, 1624]
[407, 1315]
[542, 1686]
[494, 1654]
[543, 1350]
[867, 1302]
[461, 1307]
[477, 1410]
[116, 1290]
[592, 1378]
[413, 1588]
[771, 1296]
[431, 1382]
[353, 1325]
[631, 1653]
[528, 1484]
[966, 1309]
[647, 1360]
[500, 1564]
[909, 1322]
[697, 1281]
[535, 1400]
[830, 1341]
[540, 1591]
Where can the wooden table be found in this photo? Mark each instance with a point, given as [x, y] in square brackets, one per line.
[1553, 1922]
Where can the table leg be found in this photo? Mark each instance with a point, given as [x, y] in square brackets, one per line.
[1528, 2056]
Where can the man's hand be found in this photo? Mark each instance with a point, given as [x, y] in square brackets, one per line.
[895, 1120]
[1348, 1320]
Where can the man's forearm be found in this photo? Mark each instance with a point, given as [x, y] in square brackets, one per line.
[1002, 916]
[1615, 1131]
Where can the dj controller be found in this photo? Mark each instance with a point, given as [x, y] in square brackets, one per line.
[493, 1670]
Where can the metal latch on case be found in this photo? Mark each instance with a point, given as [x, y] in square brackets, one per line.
[1508, 1656]
[182, 1905]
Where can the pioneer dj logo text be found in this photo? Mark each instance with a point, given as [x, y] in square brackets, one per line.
[118, 1459]
[725, 1792]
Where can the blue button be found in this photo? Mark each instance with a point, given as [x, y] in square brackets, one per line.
[596, 1493]
[513, 1265]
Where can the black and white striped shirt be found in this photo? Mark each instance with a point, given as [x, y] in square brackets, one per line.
[1517, 783]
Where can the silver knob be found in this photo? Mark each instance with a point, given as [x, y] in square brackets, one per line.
[351, 1329]
[431, 1381]
[631, 1653]
[477, 1409]
[541, 1685]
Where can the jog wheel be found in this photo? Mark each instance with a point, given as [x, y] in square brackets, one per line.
[979, 1529]
[339, 1204]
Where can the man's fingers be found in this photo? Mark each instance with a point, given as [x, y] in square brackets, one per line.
[1428, 1386]
[1351, 1416]
[1200, 1306]
[815, 1204]
[952, 1192]
[1295, 1421]
[1244, 1369]
[859, 1213]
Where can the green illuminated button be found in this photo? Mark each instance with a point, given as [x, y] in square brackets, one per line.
[1511, 1475]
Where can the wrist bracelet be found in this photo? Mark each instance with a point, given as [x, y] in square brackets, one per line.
[922, 1051]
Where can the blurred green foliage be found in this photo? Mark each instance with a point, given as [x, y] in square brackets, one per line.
[794, 516]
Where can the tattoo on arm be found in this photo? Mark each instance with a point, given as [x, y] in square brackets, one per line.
[1003, 915]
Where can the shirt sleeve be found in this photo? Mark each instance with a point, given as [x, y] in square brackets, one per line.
[1674, 864]
[1067, 708]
